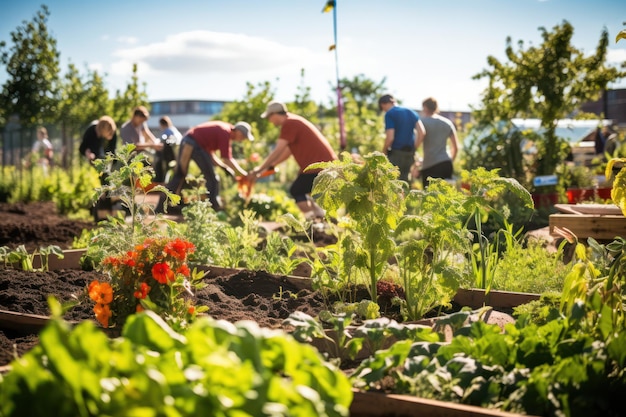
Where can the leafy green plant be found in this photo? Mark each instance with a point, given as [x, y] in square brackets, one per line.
[562, 357]
[25, 260]
[345, 337]
[127, 176]
[485, 186]
[548, 269]
[372, 196]
[212, 368]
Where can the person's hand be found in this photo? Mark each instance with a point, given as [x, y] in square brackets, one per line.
[253, 174]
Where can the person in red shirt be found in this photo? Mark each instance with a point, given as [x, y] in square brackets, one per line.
[302, 140]
[200, 144]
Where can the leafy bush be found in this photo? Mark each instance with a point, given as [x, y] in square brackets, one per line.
[213, 368]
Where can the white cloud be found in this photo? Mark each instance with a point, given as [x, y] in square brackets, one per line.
[616, 56]
[217, 52]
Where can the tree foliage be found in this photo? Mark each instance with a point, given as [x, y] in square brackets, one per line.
[32, 63]
[549, 81]
[134, 95]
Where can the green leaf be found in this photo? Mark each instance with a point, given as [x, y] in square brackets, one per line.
[150, 330]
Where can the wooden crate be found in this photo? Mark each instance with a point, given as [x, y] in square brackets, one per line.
[599, 227]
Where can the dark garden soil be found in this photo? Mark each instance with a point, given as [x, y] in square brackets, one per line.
[37, 224]
[230, 295]
[244, 295]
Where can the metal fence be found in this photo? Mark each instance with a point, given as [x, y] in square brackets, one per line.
[16, 143]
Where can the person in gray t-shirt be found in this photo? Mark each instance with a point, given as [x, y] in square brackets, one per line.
[437, 161]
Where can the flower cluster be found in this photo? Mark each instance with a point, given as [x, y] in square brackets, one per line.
[102, 294]
[154, 276]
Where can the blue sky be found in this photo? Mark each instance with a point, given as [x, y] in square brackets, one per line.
[209, 49]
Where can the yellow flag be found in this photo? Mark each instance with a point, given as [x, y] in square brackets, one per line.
[330, 4]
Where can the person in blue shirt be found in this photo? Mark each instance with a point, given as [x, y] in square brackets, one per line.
[403, 129]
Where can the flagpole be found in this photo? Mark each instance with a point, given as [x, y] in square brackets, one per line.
[340, 109]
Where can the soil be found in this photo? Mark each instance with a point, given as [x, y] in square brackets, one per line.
[37, 224]
[233, 296]
[244, 295]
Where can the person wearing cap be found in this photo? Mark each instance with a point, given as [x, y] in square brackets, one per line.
[200, 144]
[302, 140]
[403, 128]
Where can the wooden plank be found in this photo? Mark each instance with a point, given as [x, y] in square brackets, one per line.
[71, 260]
[22, 322]
[367, 404]
[590, 225]
[476, 298]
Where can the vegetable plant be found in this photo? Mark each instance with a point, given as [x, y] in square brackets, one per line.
[212, 368]
[372, 196]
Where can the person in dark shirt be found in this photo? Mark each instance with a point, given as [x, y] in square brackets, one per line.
[99, 139]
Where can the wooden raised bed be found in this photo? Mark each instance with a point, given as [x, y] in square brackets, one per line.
[368, 404]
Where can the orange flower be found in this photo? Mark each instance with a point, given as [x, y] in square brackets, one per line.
[101, 292]
[184, 270]
[162, 273]
[103, 314]
[139, 308]
[191, 310]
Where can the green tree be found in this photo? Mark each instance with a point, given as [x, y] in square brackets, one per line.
[363, 122]
[134, 95]
[302, 104]
[363, 92]
[549, 81]
[250, 108]
[82, 99]
[32, 63]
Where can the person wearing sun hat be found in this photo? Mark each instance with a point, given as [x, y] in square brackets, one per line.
[200, 145]
[302, 140]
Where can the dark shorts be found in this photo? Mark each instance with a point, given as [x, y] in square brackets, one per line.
[302, 186]
[441, 170]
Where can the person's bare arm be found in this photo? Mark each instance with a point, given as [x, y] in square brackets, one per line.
[454, 144]
[234, 166]
[420, 134]
[389, 134]
[151, 140]
[278, 155]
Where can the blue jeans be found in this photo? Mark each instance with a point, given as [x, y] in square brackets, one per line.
[190, 151]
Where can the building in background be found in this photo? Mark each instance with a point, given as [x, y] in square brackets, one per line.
[611, 105]
[183, 113]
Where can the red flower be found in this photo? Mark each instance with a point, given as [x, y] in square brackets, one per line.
[162, 273]
[179, 248]
[142, 292]
[183, 270]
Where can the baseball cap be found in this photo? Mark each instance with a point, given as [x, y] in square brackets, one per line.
[246, 129]
[274, 107]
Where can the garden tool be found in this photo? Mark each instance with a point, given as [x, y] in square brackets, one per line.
[244, 185]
